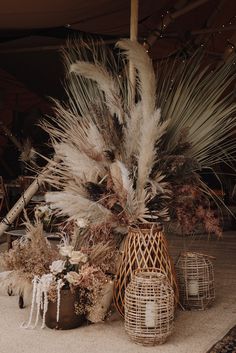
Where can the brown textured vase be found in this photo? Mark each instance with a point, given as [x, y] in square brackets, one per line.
[67, 318]
[145, 247]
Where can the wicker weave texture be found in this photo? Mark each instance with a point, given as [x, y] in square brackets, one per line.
[196, 280]
[145, 247]
[149, 308]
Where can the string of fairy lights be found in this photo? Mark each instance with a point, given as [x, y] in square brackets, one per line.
[229, 26]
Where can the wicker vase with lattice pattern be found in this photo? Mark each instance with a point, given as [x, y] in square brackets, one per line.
[145, 247]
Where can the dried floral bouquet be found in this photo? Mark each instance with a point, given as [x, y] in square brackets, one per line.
[123, 161]
[80, 273]
[35, 269]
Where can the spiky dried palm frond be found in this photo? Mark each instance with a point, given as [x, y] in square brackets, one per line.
[193, 98]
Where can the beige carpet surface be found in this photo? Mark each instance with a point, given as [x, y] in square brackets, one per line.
[195, 332]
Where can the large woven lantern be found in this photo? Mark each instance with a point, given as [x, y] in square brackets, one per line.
[196, 280]
[149, 308]
[145, 247]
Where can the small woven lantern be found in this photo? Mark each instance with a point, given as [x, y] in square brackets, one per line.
[196, 280]
[149, 308]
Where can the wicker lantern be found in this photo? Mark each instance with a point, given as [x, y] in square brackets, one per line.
[149, 308]
[145, 247]
[196, 280]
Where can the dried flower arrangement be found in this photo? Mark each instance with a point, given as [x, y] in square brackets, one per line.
[121, 160]
[75, 272]
[34, 268]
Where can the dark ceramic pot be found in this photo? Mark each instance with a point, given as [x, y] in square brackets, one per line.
[67, 318]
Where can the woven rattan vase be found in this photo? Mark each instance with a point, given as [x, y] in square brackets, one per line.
[145, 247]
[196, 280]
[149, 308]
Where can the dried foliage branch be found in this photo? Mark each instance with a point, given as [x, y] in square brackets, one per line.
[31, 255]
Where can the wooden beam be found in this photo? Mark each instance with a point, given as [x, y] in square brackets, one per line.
[170, 17]
[209, 23]
[212, 30]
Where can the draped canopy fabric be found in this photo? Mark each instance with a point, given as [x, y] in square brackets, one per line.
[100, 16]
[31, 32]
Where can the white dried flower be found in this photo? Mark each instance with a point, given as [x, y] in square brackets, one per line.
[81, 222]
[43, 211]
[57, 266]
[73, 278]
[66, 250]
[78, 257]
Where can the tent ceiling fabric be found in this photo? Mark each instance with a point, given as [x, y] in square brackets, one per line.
[32, 31]
[100, 16]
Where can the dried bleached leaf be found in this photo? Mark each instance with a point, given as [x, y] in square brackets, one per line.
[75, 207]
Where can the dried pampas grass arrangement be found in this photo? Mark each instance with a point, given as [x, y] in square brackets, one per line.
[119, 160]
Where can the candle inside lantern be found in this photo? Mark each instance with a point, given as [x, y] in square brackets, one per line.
[150, 314]
[193, 287]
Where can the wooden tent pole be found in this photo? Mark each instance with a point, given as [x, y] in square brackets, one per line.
[133, 36]
[134, 20]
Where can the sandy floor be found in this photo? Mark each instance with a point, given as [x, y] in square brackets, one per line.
[195, 332]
